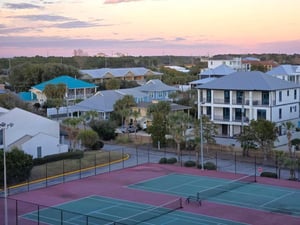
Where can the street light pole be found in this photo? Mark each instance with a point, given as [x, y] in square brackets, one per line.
[4, 126]
[201, 139]
[201, 126]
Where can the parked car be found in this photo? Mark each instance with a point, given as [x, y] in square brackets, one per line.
[129, 129]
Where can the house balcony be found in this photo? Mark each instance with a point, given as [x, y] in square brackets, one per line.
[79, 96]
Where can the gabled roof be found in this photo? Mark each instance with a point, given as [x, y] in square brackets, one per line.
[155, 85]
[219, 70]
[101, 102]
[254, 80]
[117, 72]
[70, 82]
[285, 70]
[104, 101]
[202, 81]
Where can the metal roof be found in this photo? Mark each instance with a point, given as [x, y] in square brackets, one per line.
[219, 70]
[117, 72]
[155, 85]
[248, 81]
[285, 70]
[70, 82]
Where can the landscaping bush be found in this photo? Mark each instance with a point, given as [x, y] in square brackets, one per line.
[190, 163]
[56, 157]
[268, 174]
[210, 166]
[163, 160]
[172, 160]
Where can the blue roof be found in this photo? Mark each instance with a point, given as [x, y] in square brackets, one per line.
[219, 70]
[117, 72]
[285, 70]
[70, 82]
[27, 96]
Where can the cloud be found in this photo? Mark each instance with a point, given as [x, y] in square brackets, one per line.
[118, 1]
[6, 30]
[76, 24]
[292, 46]
[179, 39]
[21, 6]
[42, 17]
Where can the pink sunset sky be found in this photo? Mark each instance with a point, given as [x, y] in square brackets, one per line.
[148, 27]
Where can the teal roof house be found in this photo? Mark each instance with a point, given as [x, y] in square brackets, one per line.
[76, 89]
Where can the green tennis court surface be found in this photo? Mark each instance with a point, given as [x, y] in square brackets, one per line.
[98, 210]
[238, 193]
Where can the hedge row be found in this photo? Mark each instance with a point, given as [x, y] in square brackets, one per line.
[207, 165]
[269, 174]
[56, 157]
[165, 160]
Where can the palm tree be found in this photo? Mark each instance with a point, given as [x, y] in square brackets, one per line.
[71, 126]
[135, 115]
[158, 129]
[89, 116]
[123, 107]
[55, 95]
[178, 124]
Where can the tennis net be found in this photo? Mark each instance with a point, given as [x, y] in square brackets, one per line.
[151, 213]
[223, 188]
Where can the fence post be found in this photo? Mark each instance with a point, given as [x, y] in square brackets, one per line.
[95, 163]
[46, 174]
[17, 222]
[235, 162]
[80, 168]
[123, 158]
[217, 158]
[255, 168]
[148, 155]
[63, 171]
[108, 161]
[137, 157]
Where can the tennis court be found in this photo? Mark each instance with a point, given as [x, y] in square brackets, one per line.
[243, 192]
[104, 210]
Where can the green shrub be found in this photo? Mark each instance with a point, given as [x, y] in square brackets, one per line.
[163, 160]
[199, 166]
[190, 163]
[210, 166]
[172, 160]
[56, 157]
[268, 174]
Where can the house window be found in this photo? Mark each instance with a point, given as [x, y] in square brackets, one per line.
[280, 96]
[265, 98]
[239, 97]
[226, 114]
[280, 113]
[261, 114]
[288, 93]
[39, 152]
[295, 94]
[238, 114]
[226, 96]
[208, 95]
[291, 109]
[208, 111]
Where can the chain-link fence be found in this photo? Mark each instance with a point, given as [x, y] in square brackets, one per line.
[116, 158]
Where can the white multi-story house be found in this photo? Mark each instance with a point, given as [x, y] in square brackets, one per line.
[232, 101]
[286, 72]
[235, 63]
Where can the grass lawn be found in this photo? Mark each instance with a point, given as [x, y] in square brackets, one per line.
[90, 159]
